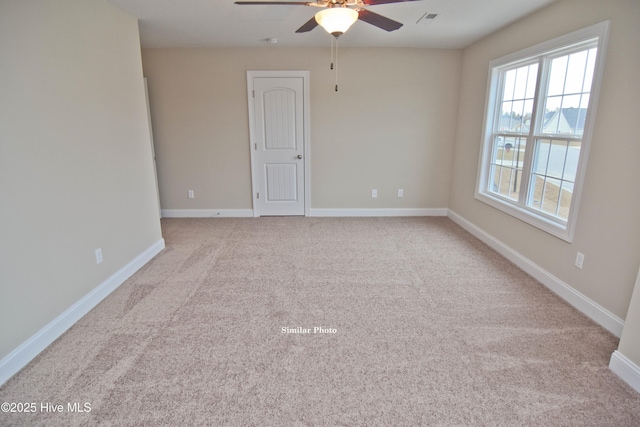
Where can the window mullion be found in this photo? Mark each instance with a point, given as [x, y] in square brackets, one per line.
[538, 103]
[526, 170]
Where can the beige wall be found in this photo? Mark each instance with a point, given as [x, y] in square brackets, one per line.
[75, 163]
[391, 124]
[608, 227]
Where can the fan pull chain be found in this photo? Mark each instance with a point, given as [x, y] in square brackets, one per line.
[336, 64]
[334, 57]
[332, 52]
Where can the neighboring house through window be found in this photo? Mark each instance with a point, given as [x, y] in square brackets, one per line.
[539, 116]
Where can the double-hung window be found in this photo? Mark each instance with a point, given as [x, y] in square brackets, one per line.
[539, 116]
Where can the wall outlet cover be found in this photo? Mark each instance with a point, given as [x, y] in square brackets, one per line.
[579, 260]
[98, 255]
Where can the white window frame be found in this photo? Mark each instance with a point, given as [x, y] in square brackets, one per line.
[555, 226]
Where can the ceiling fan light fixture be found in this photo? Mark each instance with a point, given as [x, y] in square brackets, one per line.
[336, 20]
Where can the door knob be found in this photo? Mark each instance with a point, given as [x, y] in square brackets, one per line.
[299, 156]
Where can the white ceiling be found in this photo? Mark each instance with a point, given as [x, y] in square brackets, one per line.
[221, 23]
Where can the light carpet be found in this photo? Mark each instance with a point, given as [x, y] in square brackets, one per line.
[422, 325]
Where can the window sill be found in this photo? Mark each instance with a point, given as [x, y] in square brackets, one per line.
[529, 216]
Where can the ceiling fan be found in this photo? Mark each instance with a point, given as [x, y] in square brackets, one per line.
[338, 15]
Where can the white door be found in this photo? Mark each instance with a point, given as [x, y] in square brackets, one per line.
[278, 144]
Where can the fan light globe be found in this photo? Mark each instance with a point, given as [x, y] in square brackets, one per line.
[336, 20]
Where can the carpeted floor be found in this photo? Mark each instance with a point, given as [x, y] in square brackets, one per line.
[421, 323]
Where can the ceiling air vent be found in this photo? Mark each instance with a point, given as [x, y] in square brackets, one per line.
[427, 18]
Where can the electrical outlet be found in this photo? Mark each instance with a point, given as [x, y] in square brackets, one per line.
[98, 255]
[191, 194]
[400, 192]
[374, 193]
[579, 260]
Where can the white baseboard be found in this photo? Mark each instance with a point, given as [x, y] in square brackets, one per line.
[29, 349]
[590, 308]
[625, 369]
[207, 213]
[378, 212]
[248, 213]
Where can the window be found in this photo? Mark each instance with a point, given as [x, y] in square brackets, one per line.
[540, 111]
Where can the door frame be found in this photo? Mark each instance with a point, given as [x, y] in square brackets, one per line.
[306, 132]
[153, 147]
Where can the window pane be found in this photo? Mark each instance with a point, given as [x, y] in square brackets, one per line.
[566, 194]
[505, 117]
[521, 82]
[557, 76]
[531, 82]
[535, 194]
[575, 72]
[552, 115]
[568, 91]
[570, 101]
[545, 196]
[509, 83]
[541, 158]
[506, 166]
[554, 169]
[517, 99]
[557, 159]
[527, 112]
[569, 118]
[550, 196]
[516, 118]
[506, 182]
[571, 166]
